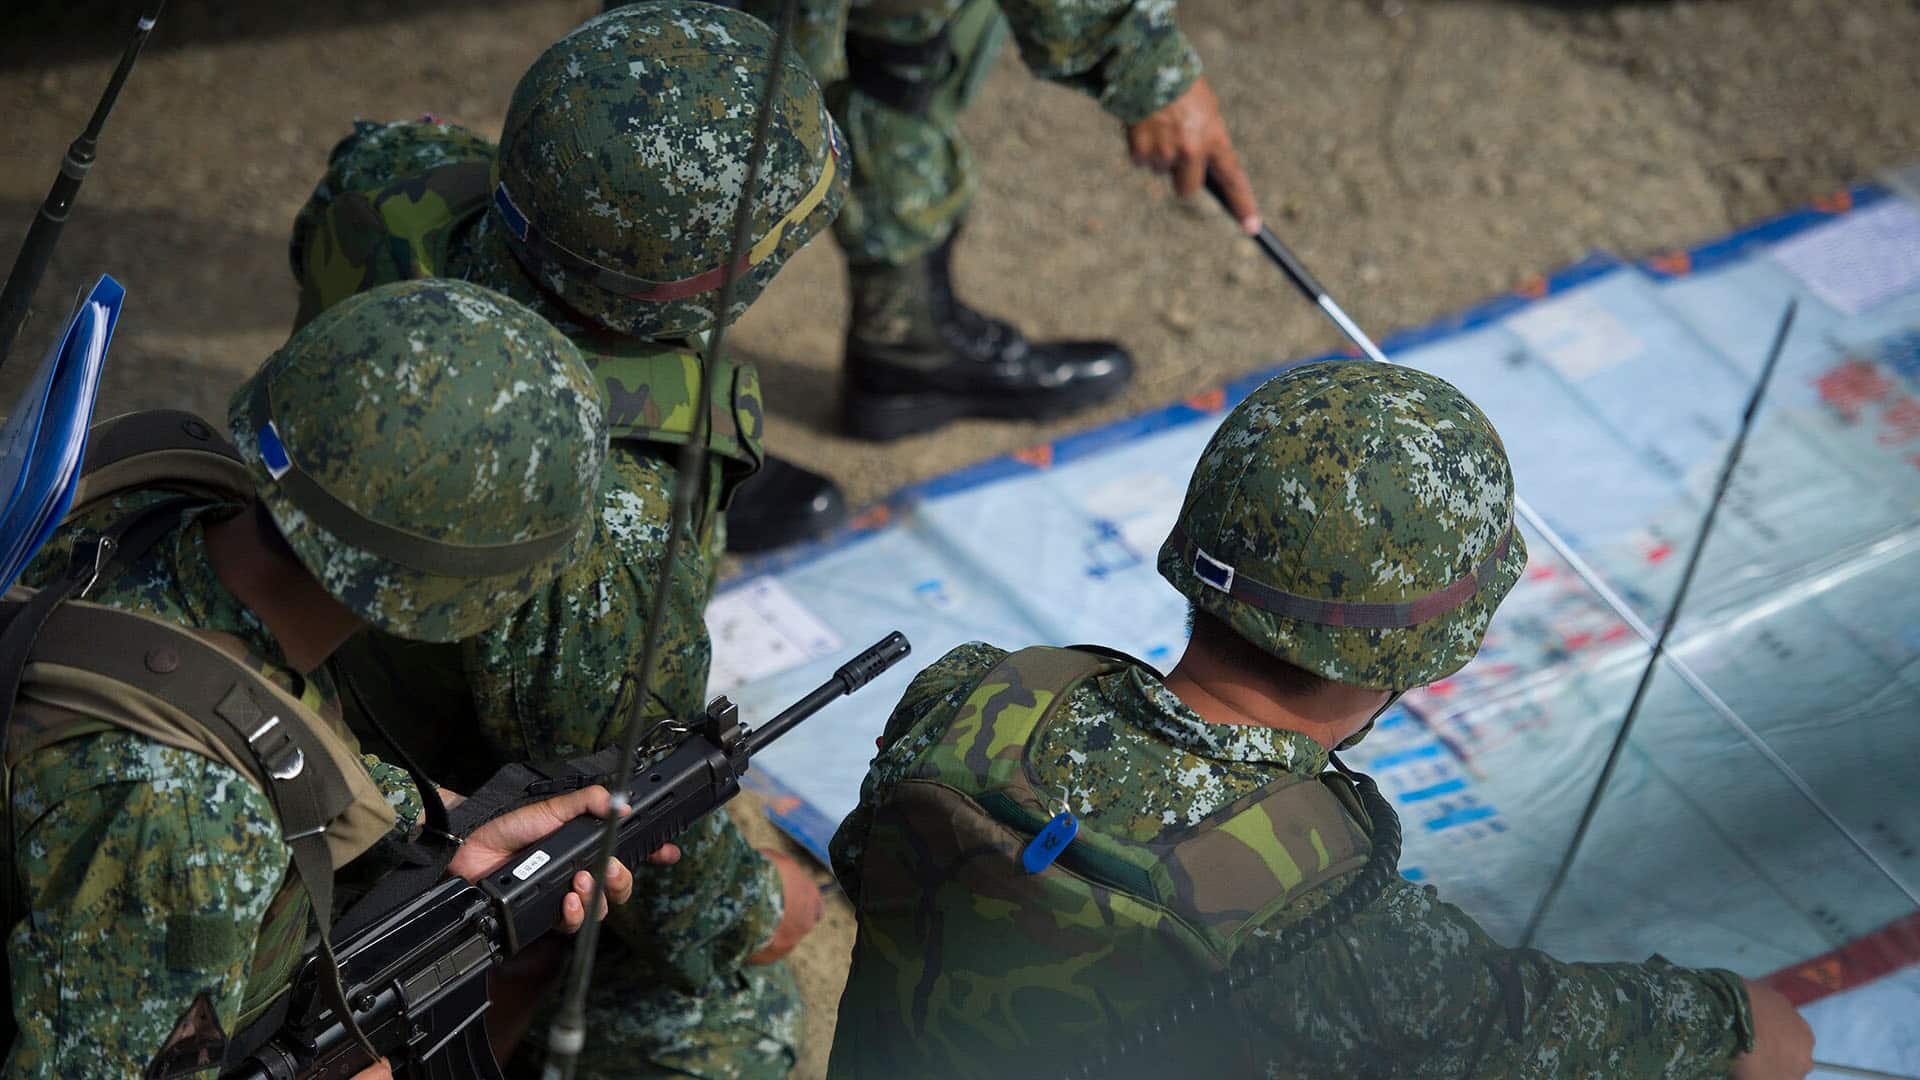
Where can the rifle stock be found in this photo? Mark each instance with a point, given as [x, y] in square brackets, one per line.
[416, 977]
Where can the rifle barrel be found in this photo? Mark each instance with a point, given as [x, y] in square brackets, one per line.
[850, 676]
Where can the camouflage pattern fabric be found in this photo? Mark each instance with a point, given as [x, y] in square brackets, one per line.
[672, 993]
[358, 229]
[1355, 520]
[349, 429]
[153, 876]
[1409, 987]
[373, 219]
[541, 683]
[913, 178]
[622, 159]
[1084, 945]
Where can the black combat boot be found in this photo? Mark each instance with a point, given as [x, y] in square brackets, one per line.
[782, 504]
[917, 358]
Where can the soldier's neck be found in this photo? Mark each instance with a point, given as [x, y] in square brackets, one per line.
[307, 623]
[1222, 692]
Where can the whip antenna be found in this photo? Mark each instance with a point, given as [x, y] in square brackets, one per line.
[1305, 282]
[1720, 489]
[568, 1034]
[36, 251]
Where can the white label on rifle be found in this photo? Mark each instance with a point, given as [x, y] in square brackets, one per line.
[532, 862]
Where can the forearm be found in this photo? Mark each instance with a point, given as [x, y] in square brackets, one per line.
[1416, 982]
[1128, 54]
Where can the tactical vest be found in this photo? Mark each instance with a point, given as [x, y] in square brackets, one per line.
[69, 668]
[967, 965]
[409, 228]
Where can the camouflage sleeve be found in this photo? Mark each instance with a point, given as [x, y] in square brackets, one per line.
[701, 918]
[146, 871]
[1420, 981]
[372, 156]
[401, 793]
[1128, 54]
[946, 682]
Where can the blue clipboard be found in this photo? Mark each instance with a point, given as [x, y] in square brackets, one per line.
[45, 435]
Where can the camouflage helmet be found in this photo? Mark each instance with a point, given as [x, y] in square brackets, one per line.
[1354, 519]
[622, 159]
[431, 452]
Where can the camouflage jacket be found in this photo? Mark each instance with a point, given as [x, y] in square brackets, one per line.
[1409, 986]
[542, 683]
[154, 879]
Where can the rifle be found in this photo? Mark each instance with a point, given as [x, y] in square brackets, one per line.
[416, 974]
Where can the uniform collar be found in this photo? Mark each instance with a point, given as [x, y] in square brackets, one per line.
[206, 599]
[1156, 709]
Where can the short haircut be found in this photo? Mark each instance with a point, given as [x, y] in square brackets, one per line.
[1212, 633]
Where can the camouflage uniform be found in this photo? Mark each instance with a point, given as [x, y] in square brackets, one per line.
[913, 177]
[184, 877]
[155, 881]
[1348, 519]
[673, 993]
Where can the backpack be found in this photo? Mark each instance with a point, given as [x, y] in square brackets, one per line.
[70, 668]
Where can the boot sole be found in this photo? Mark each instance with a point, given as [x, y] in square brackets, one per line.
[882, 417]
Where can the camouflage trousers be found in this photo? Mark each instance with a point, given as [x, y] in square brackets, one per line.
[912, 175]
[746, 1027]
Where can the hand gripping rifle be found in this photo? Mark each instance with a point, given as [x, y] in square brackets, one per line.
[415, 973]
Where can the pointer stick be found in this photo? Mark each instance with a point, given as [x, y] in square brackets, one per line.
[1297, 273]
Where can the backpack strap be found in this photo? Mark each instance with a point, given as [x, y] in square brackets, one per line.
[159, 447]
[253, 725]
[1224, 874]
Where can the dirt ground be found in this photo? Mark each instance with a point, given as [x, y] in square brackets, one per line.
[1418, 154]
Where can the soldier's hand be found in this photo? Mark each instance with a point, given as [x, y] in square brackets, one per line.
[1782, 1041]
[1188, 138]
[379, 1070]
[803, 907]
[492, 844]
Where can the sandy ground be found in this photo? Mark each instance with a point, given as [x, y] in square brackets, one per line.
[1418, 154]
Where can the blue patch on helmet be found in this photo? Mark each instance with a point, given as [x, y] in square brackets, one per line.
[503, 202]
[1212, 571]
[273, 452]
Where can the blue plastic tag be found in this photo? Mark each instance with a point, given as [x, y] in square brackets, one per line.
[273, 452]
[1049, 842]
[516, 221]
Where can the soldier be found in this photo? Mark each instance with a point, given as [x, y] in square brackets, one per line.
[608, 208]
[899, 75]
[1346, 537]
[182, 792]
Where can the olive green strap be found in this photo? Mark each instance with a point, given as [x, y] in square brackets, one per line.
[298, 776]
[394, 545]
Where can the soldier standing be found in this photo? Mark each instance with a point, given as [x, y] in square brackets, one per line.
[182, 790]
[899, 75]
[1346, 537]
[608, 207]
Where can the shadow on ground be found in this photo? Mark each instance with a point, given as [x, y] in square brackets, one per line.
[38, 33]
